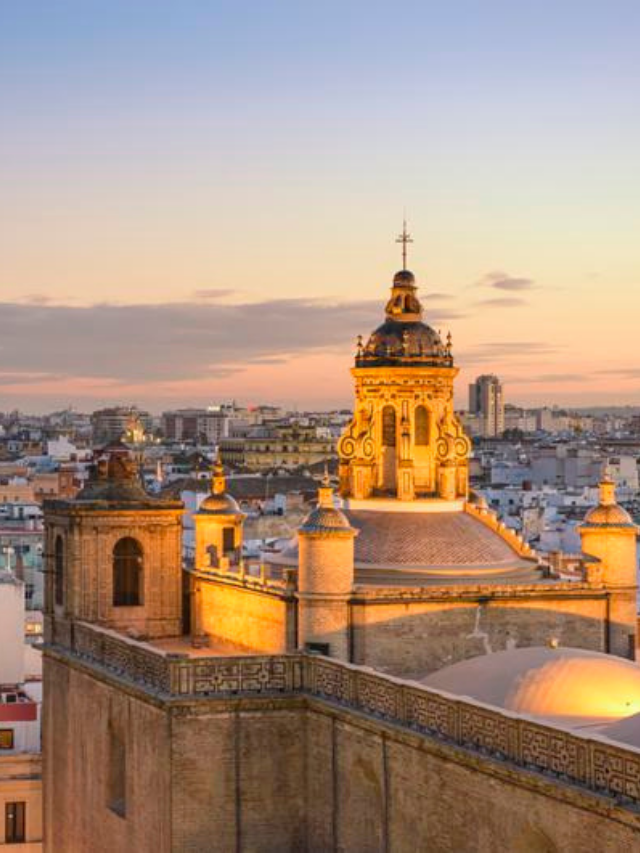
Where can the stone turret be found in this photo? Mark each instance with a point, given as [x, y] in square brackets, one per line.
[609, 534]
[218, 527]
[114, 552]
[325, 578]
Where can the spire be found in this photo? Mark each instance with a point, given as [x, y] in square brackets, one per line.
[325, 492]
[218, 481]
[607, 489]
[404, 238]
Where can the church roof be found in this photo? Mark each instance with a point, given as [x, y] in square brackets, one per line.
[431, 547]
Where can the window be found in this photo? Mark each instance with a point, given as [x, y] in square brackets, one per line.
[6, 738]
[59, 570]
[14, 823]
[117, 780]
[389, 426]
[422, 426]
[127, 573]
[228, 540]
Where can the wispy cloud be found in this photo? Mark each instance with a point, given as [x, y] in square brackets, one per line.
[502, 302]
[161, 343]
[214, 293]
[547, 378]
[621, 372]
[501, 352]
[499, 280]
[437, 297]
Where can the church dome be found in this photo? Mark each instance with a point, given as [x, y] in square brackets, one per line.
[625, 731]
[608, 513]
[575, 686]
[218, 501]
[404, 338]
[395, 338]
[220, 504]
[325, 518]
[420, 548]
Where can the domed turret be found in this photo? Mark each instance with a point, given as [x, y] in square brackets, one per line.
[325, 517]
[219, 501]
[218, 523]
[325, 577]
[608, 512]
[609, 534]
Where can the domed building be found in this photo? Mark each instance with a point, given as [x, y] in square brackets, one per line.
[404, 466]
[403, 569]
[185, 704]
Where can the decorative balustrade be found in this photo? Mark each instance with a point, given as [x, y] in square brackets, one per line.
[591, 763]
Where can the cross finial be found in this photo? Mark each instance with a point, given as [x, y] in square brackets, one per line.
[404, 238]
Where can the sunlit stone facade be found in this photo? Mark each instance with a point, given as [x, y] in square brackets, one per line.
[405, 438]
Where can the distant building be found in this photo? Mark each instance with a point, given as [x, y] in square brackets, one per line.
[118, 422]
[282, 446]
[209, 426]
[486, 401]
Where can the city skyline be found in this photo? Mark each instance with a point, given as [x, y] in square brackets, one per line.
[216, 205]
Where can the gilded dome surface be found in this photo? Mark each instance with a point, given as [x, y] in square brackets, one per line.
[416, 339]
[404, 338]
[221, 504]
[578, 686]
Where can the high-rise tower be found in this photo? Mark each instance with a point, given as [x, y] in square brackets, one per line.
[487, 402]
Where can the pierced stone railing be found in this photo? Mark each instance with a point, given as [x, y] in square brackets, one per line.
[592, 763]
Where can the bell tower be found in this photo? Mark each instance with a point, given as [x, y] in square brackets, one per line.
[405, 439]
[114, 553]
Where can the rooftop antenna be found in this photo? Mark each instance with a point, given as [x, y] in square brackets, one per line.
[404, 238]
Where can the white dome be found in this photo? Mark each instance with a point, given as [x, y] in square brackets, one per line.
[574, 686]
[625, 731]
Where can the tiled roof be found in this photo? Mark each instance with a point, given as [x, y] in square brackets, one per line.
[427, 539]
[433, 544]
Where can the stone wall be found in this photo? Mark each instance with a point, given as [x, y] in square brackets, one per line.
[78, 710]
[302, 753]
[254, 618]
[412, 632]
[413, 636]
[374, 790]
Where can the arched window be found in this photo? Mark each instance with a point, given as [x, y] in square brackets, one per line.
[127, 573]
[389, 426]
[422, 426]
[58, 556]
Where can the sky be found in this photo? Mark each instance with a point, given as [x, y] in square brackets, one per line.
[199, 200]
